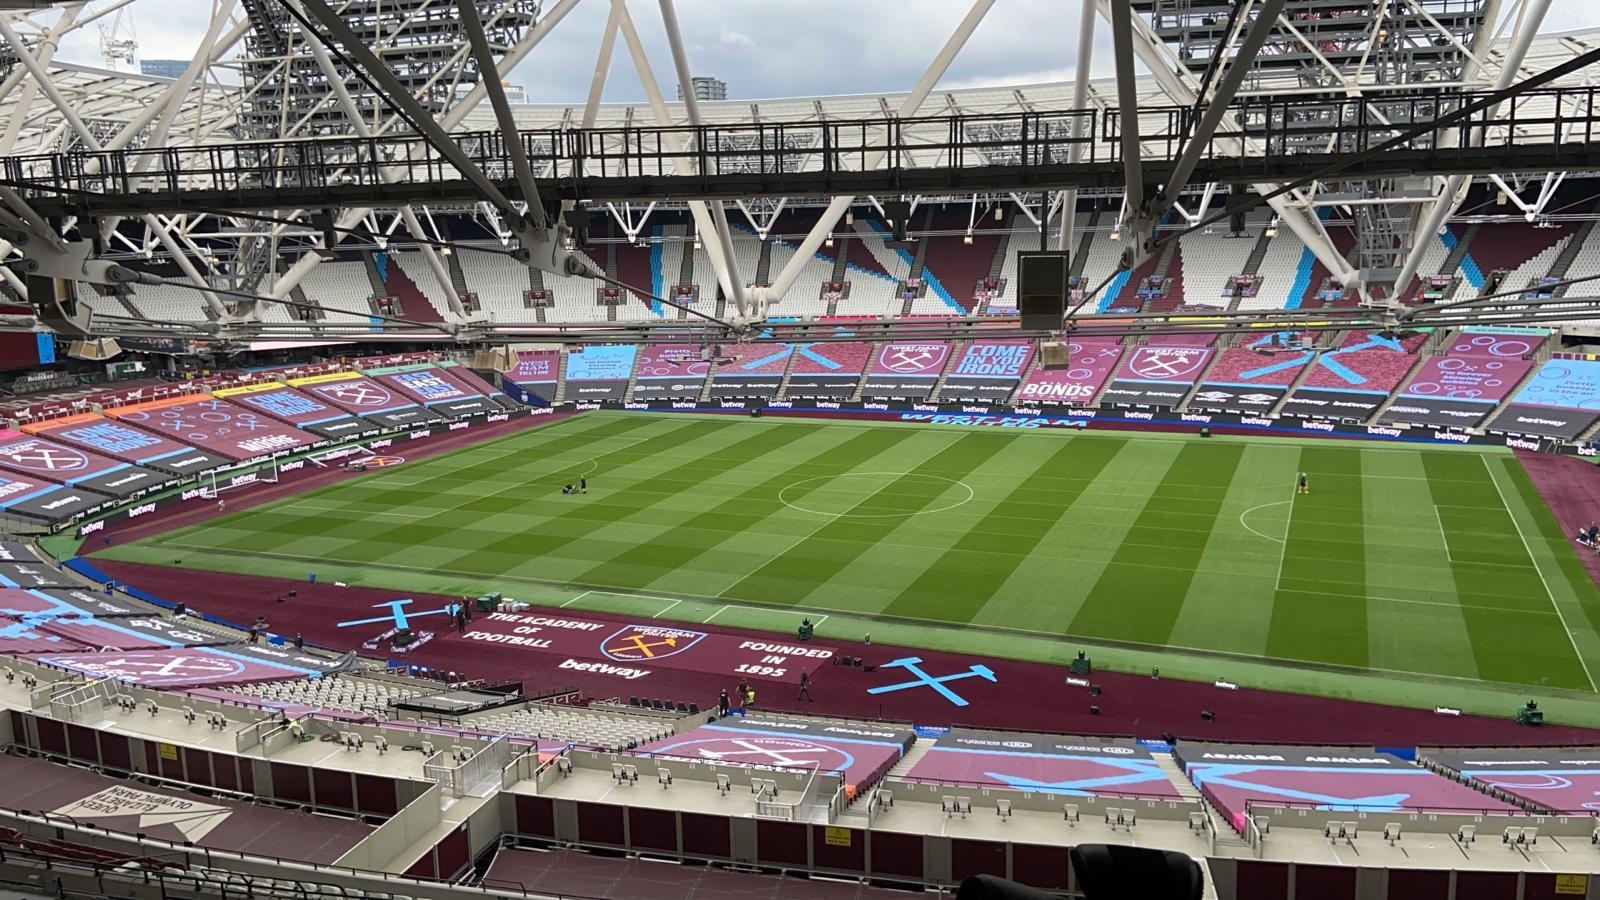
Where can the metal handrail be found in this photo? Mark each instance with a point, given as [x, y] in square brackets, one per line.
[1283, 129]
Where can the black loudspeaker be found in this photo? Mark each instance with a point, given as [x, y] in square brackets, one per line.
[1207, 714]
[1205, 431]
[1236, 223]
[1054, 355]
[1094, 710]
[1107, 872]
[1042, 289]
[755, 413]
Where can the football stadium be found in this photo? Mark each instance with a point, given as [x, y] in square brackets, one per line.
[469, 448]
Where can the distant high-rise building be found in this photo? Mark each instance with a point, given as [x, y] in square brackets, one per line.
[706, 88]
[163, 68]
[516, 94]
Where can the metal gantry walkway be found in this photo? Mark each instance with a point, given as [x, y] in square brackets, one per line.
[1277, 139]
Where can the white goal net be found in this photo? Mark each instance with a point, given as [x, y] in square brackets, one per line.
[213, 484]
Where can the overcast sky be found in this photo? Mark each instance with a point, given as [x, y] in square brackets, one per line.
[771, 48]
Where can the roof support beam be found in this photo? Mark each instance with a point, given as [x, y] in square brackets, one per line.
[1176, 83]
[602, 68]
[1215, 111]
[42, 77]
[1128, 109]
[353, 114]
[1080, 100]
[350, 217]
[908, 107]
[1454, 188]
[722, 248]
[496, 92]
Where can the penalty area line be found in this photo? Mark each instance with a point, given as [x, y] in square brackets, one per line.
[821, 617]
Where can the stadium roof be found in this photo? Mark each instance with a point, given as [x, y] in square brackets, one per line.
[108, 96]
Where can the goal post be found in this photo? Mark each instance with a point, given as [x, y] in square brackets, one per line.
[213, 485]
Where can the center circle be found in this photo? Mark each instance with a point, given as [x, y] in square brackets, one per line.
[839, 495]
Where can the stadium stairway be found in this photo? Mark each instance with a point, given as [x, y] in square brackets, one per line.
[1115, 367]
[872, 354]
[1488, 790]
[705, 389]
[1228, 841]
[782, 393]
[1300, 377]
[1173, 769]
[374, 277]
[1588, 434]
[1458, 249]
[1252, 263]
[909, 759]
[1216, 357]
[633, 378]
[956, 349]
[458, 273]
[1539, 355]
[1081, 256]
[561, 377]
[1405, 384]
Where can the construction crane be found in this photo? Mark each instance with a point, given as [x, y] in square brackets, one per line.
[118, 42]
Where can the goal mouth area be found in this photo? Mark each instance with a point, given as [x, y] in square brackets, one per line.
[213, 485]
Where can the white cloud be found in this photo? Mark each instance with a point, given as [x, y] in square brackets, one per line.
[771, 48]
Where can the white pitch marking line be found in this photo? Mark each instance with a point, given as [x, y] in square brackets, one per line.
[1257, 533]
[1448, 553]
[667, 610]
[576, 599]
[894, 475]
[360, 512]
[1288, 528]
[713, 615]
[1428, 603]
[1540, 569]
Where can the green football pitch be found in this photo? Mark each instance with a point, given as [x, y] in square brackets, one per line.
[1439, 563]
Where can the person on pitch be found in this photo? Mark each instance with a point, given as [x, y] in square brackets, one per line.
[1304, 485]
[805, 686]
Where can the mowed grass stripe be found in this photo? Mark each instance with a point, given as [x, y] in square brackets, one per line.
[1134, 602]
[682, 507]
[419, 481]
[1048, 587]
[675, 499]
[1413, 612]
[348, 506]
[1320, 611]
[812, 563]
[1522, 640]
[581, 517]
[960, 581]
[1230, 599]
[456, 524]
[876, 578]
[818, 452]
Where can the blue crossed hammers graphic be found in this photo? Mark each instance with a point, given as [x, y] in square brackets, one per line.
[397, 614]
[913, 665]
